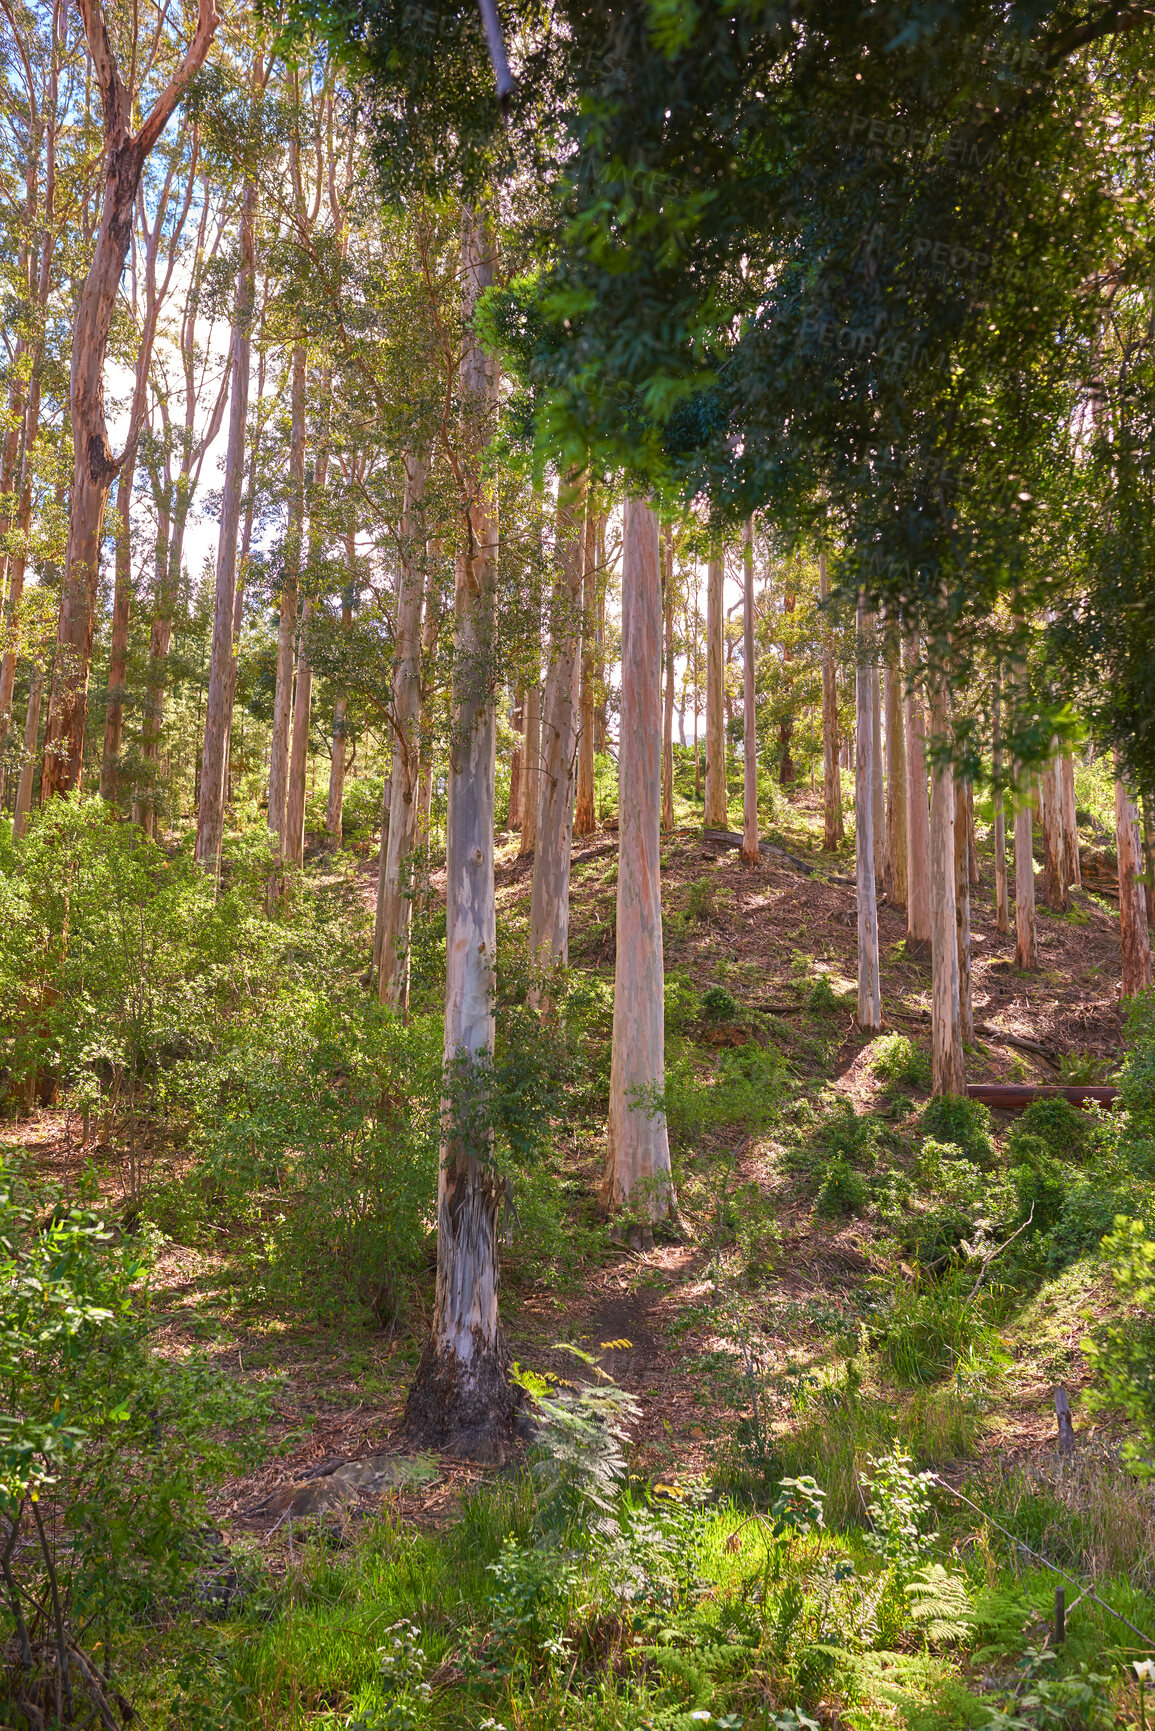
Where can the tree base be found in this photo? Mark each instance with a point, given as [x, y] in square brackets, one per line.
[475, 1413]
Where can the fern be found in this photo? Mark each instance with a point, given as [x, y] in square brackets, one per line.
[939, 1604]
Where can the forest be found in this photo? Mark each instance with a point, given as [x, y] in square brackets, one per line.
[577, 849]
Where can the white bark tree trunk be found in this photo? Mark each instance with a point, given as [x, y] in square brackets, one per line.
[918, 899]
[947, 1066]
[335, 806]
[461, 1396]
[219, 702]
[751, 852]
[287, 628]
[1026, 947]
[1072, 869]
[831, 782]
[1002, 907]
[668, 711]
[1136, 943]
[869, 985]
[1054, 880]
[962, 910]
[878, 783]
[517, 760]
[549, 904]
[28, 767]
[637, 1172]
[896, 782]
[396, 901]
[585, 816]
[531, 773]
[716, 803]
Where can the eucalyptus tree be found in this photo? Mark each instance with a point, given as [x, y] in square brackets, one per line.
[160, 69]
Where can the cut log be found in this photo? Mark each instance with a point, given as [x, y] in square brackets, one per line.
[1016, 1097]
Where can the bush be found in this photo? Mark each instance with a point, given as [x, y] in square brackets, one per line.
[967, 1123]
[1040, 1184]
[841, 1192]
[937, 1330]
[897, 1060]
[1122, 1354]
[103, 1443]
[849, 1138]
[718, 1005]
[1058, 1128]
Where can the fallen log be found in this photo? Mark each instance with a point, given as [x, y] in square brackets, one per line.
[732, 838]
[1017, 1096]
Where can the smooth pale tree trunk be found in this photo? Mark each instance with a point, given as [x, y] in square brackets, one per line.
[1002, 907]
[918, 899]
[716, 816]
[430, 631]
[962, 914]
[896, 782]
[28, 766]
[831, 781]
[95, 468]
[287, 626]
[549, 902]
[878, 783]
[1026, 946]
[1054, 881]
[303, 700]
[751, 852]
[18, 558]
[118, 648]
[1148, 815]
[516, 760]
[382, 855]
[461, 1396]
[948, 1071]
[869, 984]
[335, 807]
[219, 703]
[972, 841]
[396, 902]
[601, 706]
[637, 1174]
[668, 712]
[1136, 942]
[585, 816]
[531, 776]
[1072, 869]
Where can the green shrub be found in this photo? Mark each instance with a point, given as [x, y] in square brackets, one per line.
[700, 902]
[1137, 1079]
[1040, 1184]
[681, 1003]
[967, 1123]
[822, 996]
[847, 1136]
[897, 1060]
[1122, 1354]
[841, 1191]
[718, 1005]
[1060, 1129]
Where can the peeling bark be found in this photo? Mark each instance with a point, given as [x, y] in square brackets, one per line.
[947, 1066]
[716, 800]
[1134, 937]
[869, 985]
[637, 1172]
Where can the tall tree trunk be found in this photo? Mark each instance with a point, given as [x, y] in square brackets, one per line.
[962, 914]
[869, 984]
[601, 719]
[637, 1172]
[1054, 882]
[1072, 871]
[531, 775]
[287, 627]
[896, 782]
[751, 852]
[549, 903]
[219, 703]
[716, 816]
[831, 780]
[28, 766]
[878, 784]
[118, 650]
[396, 903]
[1026, 948]
[972, 841]
[335, 807]
[585, 817]
[947, 1067]
[1136, 942]
[303, 701]
[95, 467]
[517, 760]
[1002, 908]
[668, 712]
[461, 1395]
[918, 845]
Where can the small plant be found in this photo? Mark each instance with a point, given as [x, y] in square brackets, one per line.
[719, 1006]
[967, 1123]
[897, 1060]
[841, 1192]
[1083, 1069]
[822, 997]
[898, 1511]
[577, 1459]
[935, 1330]
[1122, 1354]
[701, 905]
